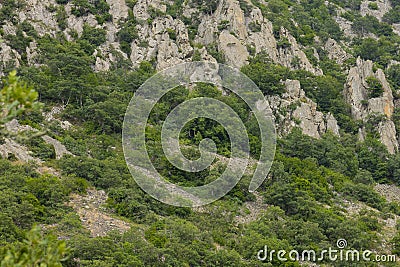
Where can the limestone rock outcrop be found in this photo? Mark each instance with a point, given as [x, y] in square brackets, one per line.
[335, 51]
[384, 6]
[39, 16]
[228, 29]
[8, 57]
[235, 53]
[294, 109]
[21, 152]
[233, 31]
[362, 105]
[288, 55]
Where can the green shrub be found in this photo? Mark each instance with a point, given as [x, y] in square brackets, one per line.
[127, 34]
[283, 43]
[80, 7]
[244, 5]
[373, 6]
[363, 193]
[36, 250]
[393, 16]
[212, 49]
[196, 55]
[8, 11]
[25, 34]
[131, 3]
[41, 149]
[61, 17]
[393, 75]
[94, 36]
[375, 87]
[171, 34]
[396, 244]
[100, 8]
[266, 74]
[175, 10]
[223, 25]
[255, 27]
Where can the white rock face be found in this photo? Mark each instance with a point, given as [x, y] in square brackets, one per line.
[230, 31]
[10, 147]
[118, 9]
[335, 51]
[167, 51]
[21, 152]
[384, 6]
[286, 56]
[153, 41]
[38, 15]
[101, 65]
[59, 148]
[295, 109]
[236, 54]
[332, 124]
[141, 8]
[346, 26]
[242, 35]
[168, 54]
[312, 122]
[396, 28]
[76, 23]
[232, 12]
[356, 94]
[8, 57]
[32, 54]
[263, 41]
[229, 12]
[387, 130]
[208, 72]
[51, 116]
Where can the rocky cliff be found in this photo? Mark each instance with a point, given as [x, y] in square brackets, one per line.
[229, 31]
[363, 105]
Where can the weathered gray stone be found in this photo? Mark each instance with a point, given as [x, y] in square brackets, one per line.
[286, 56]
[118, 9]
[59, 148]
[9, 57]
[335, 51]
[10, 147]
[384, 6]
[235, 52]
[22, 152]
[356, 94]
[38, 15]
[295, 109]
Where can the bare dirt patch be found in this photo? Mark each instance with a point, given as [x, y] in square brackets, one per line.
[93, 216]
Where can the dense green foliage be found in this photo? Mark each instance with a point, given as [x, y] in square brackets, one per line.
[99, 8]
[16, 99]
[127, 34]
[35, 251]
[375, 87]
[394, 76]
